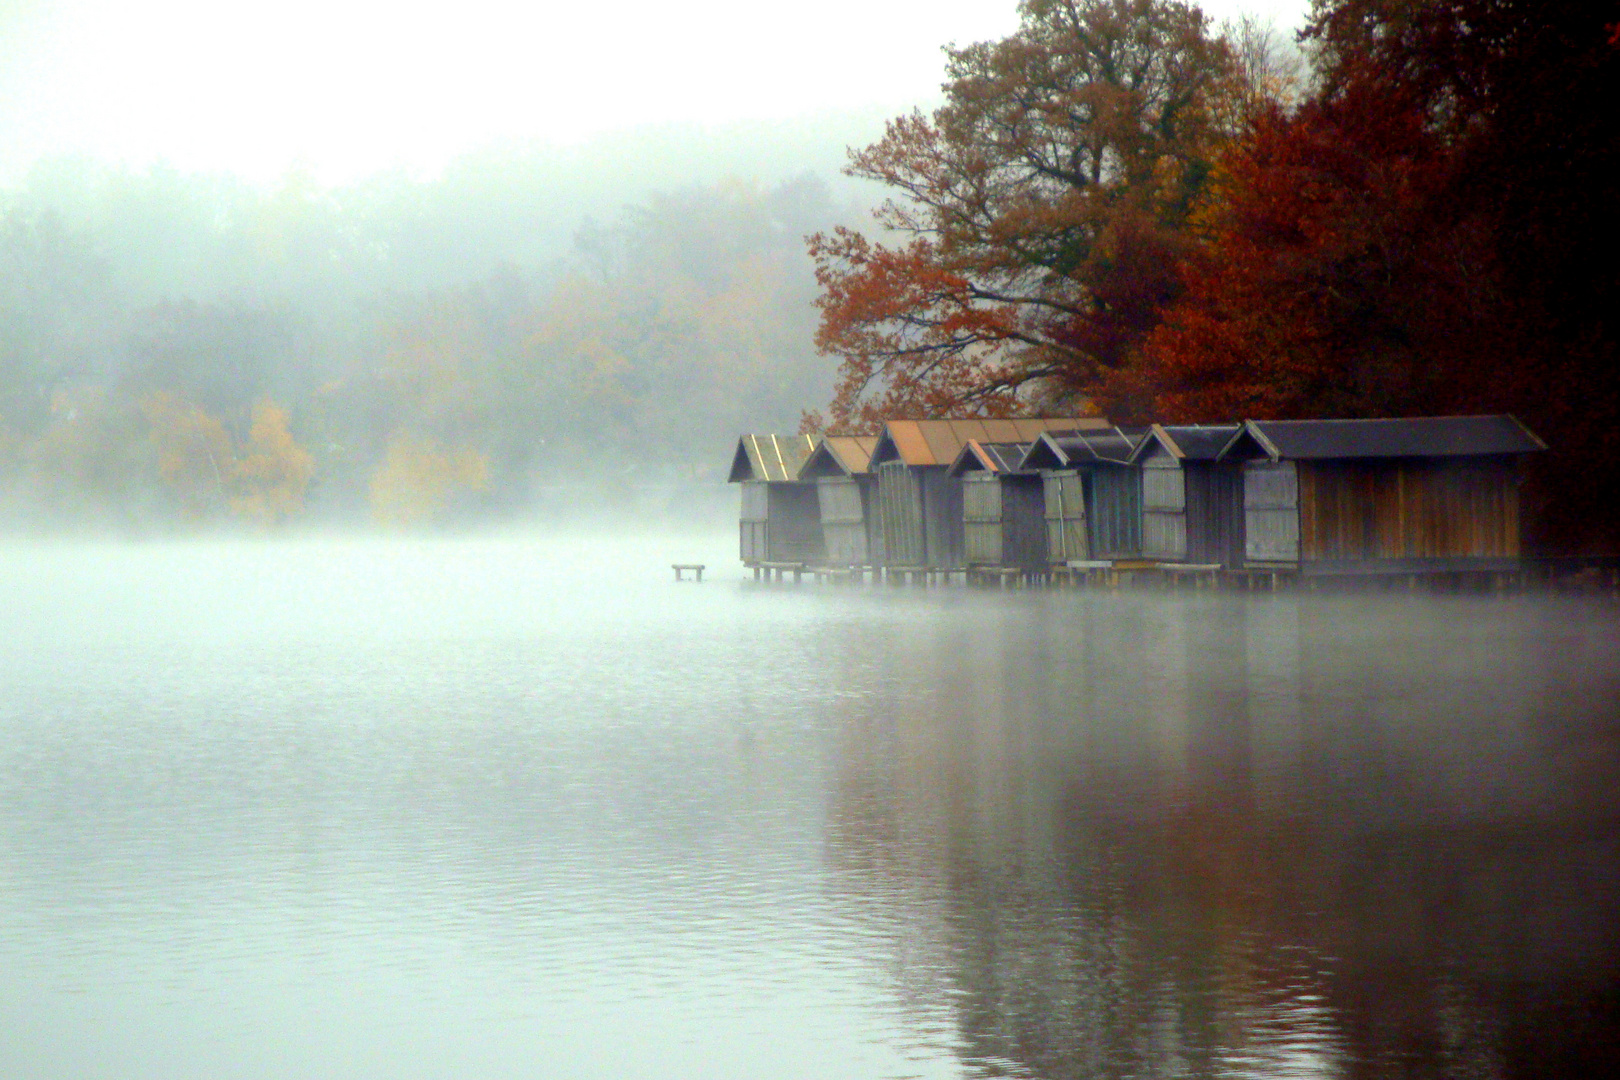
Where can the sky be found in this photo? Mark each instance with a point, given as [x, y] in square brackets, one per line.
[340, 89]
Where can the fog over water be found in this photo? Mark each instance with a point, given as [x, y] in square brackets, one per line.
[522, 806]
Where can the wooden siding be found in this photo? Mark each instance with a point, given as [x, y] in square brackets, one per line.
[1114, 511]
[981, 519]
[1065, 513]
[843, 520]
[1408, 509]
[1271, 512]
[1023, 526]
[901, 512]
[1164, 509]
[942, 517]
[754, 523]
[794, 533]
[1214, 514]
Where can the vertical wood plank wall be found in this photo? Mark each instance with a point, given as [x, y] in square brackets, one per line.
[794, 533]
[1023, 524]
[1114, 511]
[754, 522]
[1164, 509]
[981, 519]
[900, 509]
[1408, 510]
[1271, 512]
[843, 520]
[942, 517]
[1214, 513]
[1065, 500]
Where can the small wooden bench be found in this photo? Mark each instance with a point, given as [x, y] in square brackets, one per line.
[681, 568]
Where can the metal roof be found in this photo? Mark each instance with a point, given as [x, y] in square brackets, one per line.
[1062, 450]
[839, 455]
[1187, 442]
[775, 458]
[937, 442]
[1419, 436]
[989, 457]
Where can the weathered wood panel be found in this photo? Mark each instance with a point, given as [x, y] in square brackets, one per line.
[1408, 509]
[1023, 525]
[1271, 512]
[1065, 515]
[942, 517]
[1164, 510]
[843, 520]
[981, 520]
[794, 533]
[754, 523]
[1215, 514]
[1114, 511]
[901, 511]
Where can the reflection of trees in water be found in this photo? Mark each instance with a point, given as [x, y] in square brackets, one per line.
[1229, 837]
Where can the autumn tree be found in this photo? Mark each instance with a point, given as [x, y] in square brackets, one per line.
[1038, 215]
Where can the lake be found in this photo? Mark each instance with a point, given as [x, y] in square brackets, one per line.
[524, 807]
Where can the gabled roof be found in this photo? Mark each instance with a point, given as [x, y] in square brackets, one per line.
[1420, 436]
[769, 457]
[839, 455]
[1067, 449]
[999, 458]
[1186, 442]
[937, 442]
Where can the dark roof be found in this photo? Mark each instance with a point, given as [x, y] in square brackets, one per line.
[937, 442]
[769, 457]
[1187, 442]
[1113, 446]
[1422, 436]
[989, 457]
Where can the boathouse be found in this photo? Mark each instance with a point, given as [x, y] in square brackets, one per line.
[1092, 493]
[919, 505]
[1192, 505]
[840, 469]
[1419, 495]
[1002, 508]
[781, 519]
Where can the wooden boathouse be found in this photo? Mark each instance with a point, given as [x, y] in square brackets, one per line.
[840, 469]
[780, 523]
[1092, 493]
[1395, 496]
[1192, 504]
[1003, 527]
[919, 505]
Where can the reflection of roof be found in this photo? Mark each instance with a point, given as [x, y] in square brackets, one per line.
[769, 457]
[839, 455]
[937, 442]
[1063, 450]
[1424, 436]
[989, 457]
[1188, 442]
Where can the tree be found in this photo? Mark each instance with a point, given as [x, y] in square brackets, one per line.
[1040, 213]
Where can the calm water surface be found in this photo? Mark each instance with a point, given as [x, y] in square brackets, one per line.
[519, 807]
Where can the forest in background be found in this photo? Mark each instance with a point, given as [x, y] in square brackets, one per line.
[537, 332]
[1121, 207]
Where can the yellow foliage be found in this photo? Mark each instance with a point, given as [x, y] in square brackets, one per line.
[273, 472]
[194, 452]
[418, 477]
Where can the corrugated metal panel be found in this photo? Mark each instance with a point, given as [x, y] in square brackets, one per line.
[1065, 513]
[1271, 511]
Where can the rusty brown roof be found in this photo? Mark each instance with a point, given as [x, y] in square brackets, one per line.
[839, 455]
[775, 458]
[937, 442]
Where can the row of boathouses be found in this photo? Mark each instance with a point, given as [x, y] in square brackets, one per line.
[1030, 497]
